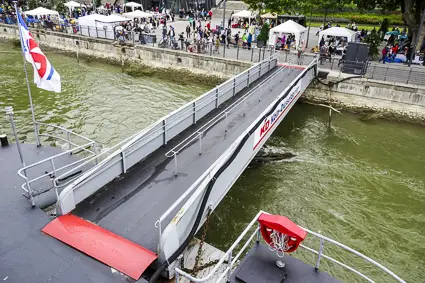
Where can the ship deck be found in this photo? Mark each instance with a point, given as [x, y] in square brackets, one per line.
[26, 254]
[259, 265]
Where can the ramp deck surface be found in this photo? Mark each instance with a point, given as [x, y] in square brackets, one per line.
[130, 205]
[26, 254]
[259, 265]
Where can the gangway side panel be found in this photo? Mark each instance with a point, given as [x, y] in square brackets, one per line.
[101, 244]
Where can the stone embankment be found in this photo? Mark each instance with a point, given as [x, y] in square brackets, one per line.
[375, 99]
[148, 56]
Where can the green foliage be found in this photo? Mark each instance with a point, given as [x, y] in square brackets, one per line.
[264, 33]
[32, 4]
[98, 3]
[358, 18]
[61, 8]
[374, 40]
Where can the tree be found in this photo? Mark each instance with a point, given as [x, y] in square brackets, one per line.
[264, 33]
[411, 11]
[32, 4]
[374, 39]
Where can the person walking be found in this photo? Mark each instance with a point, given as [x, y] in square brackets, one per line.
[384, 54]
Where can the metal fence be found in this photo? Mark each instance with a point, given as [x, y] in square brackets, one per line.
[233, 260]
[117, 159]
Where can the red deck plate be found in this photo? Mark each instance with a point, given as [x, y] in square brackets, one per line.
[101, 244]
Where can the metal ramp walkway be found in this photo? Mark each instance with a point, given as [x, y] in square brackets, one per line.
[147, 189]
[108, 248]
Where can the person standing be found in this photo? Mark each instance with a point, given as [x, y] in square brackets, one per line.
[188, 31]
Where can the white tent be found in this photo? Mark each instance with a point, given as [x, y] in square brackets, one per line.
[102, 26]
[73, 4]
[244, 14]
[40, 11]
[133, 5]
[288, 27]
[338, 32]
[269, 16]
[137, 14]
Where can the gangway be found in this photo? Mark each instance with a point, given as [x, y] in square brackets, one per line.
[171, 174]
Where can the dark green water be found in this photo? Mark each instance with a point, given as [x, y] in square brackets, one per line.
[97, 100]
[361, 183]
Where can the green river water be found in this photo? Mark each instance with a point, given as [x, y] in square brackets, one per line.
[360, 183]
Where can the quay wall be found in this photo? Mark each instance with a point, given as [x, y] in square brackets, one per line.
[146, 55]
[376, 99]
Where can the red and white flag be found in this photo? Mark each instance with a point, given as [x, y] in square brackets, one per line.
[45, 76]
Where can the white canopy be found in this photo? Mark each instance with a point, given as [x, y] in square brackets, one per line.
[40, 11]
[269, 16]
[137, 14]
[102, 26]
[288, 27]
[72, 4]
[338, 31]
[244, 14]
[133, 5]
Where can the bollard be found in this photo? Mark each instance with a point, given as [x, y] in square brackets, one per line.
[3, 140]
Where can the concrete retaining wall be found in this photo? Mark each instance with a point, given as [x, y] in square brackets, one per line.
[148, 55]
[389, 100]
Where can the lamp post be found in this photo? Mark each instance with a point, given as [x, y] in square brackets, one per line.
[9, 112]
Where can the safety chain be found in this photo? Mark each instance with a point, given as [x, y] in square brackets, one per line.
[201, 243]
[202, 267]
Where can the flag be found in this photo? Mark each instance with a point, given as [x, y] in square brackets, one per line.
[45, 76]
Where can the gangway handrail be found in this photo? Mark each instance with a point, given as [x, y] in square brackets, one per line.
[73, 148]
[233, 260]
[191, 189]
[67, 202]
[222, 115]
[124, 144]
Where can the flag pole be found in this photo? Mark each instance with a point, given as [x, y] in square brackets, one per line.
[37, 137]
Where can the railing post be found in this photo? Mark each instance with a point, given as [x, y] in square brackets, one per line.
[322, 243]
[259, 54]
[200, 143]
[229, 262]
[164, 124]
[194, 112]
[258, 234]
[124, 167]
[386, 72]
[226, 122]
[252, 54]
[264, 52]
[216, 97]
[247, 84]
[97, 32]
[88, 30]
[237, 52]
[175, 164]
[270, 62]
[259, 70]
[410, 73]
[68, 137]
[234, 86]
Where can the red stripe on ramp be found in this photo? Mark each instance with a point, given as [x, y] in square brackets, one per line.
[101, 244]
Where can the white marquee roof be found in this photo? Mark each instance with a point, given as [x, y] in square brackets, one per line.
[40, 11]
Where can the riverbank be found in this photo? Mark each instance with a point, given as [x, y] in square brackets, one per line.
[371, 98]
[175, 64]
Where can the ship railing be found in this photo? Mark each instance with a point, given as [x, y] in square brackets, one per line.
[74, 144]
[232, 260]
[224, 115]
[137, 147]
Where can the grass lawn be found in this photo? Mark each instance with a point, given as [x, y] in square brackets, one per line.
[360, 26]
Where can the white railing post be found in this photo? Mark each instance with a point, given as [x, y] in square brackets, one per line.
[194, 112]
[124, 166]
[234, 86]
[229, 262]
[216, 97]
[175, 164]
[164, 124]
[319, 255]
[68, 138]
[226, 122]
[200, 143]
[247, 84]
